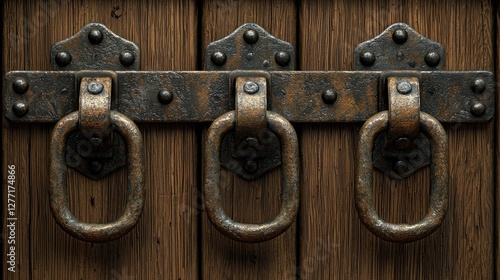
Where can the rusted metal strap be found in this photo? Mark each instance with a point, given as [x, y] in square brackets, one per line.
[204, 96]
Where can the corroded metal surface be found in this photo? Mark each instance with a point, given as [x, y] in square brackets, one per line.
[59, 203]
[297, 96]
[365, 202]
[256, 149]
[403, 150]
[404, 108]
[289, 201]
[95, 47]
[399, 47]
[94, 150]
[250, 47]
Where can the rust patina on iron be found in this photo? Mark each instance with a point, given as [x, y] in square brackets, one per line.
[365, 202]
[59, 203]
[290, 181]
[297, 96]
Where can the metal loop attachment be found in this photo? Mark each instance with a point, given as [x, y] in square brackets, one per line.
[365, 204]
[59, 203]
[290, 181]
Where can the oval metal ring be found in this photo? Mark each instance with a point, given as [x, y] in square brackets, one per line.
[290, 181]
[438, 190]
[59, 204]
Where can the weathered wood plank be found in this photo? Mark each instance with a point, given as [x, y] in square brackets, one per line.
[248, 201]
[164, 244]
[334, 244]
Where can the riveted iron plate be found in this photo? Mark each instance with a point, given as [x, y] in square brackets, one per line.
[399, 49]
[391, 51]
[261, 52]
[250, 47]
[297, 96]
[83, 52]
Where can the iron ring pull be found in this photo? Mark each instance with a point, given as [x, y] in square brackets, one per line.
[290, 181]
[59, 204]
[438, 188]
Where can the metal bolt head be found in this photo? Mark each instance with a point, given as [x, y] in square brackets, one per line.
[63, 58]
[403, 143]
[95, 166]
[218, 58]
[95, 87]
[478, 86]
[477, 109]
[127, 58]
[400, 36]
[404, 87]
[95, 141]
[250, 166]
[95, 36]
[20, 85]
[282, 58]
[251, 87]
[329, 96]
[367, 58]
[251, 36]
[165, 96]
[401, 167]
[20, 109]
[432, 59]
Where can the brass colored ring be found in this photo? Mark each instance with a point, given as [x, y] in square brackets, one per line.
[59, 203]
[438, 190]
[290, 181]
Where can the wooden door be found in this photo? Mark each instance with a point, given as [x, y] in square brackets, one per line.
[174, 239]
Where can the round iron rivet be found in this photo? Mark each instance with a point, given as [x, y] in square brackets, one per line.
[251, 87]
[20, 109]
[63, 58]
[127, 58]
[478, 86]
[95, 166]
[400, 36]
[403, 143]
[95, 36]
[401, 167]
[250, 166]
[367, 58]
[282, 58]
[251, 36]
[218, 58]
[20, 85]
[165, 96]
[329, 96]
[404, 87]
[95, 87]
[432, 59]
[477, 109]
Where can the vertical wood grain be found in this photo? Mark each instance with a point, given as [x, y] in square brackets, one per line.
[248, 201]
[333, 242]
[15, 140]
[496, 243]
[164, 243]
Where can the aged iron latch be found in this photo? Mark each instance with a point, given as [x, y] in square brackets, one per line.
[250, 94]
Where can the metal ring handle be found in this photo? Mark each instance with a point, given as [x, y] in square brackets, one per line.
[290, 181]
[59, 204]
[438, 189]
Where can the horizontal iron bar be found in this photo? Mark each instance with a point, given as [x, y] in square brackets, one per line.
[201, 96]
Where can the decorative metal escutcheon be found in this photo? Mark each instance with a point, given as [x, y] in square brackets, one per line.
[251, 95]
